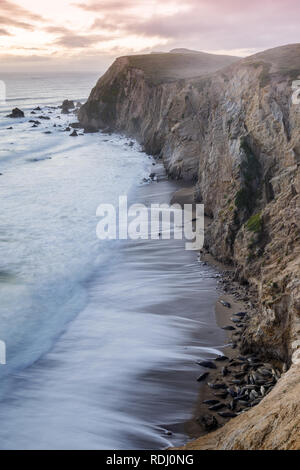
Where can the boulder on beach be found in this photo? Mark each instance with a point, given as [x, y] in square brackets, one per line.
[16, 113]
[66, 106]
[75, 125]
[90, 130]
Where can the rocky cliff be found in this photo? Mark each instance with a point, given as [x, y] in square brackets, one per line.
[231, 127]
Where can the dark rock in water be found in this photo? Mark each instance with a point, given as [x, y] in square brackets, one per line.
[67, 129]
[227, 414]
[225, 304]
[32, 121]
[78, 104]
[152, 175]
[16, 113]
[37, 109]
[75, 125]
[9, 128]
[90, 130]
[34, 125]
[48, 132]
[208, 364]
[66, 106]
[44, 117]
[228, 328]
[131, 143]
[203, 377]
[208, 422]
[32, 112]
[74, 134]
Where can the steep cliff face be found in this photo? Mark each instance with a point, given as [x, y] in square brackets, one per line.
[232, 129]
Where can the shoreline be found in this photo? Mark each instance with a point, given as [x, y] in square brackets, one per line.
[235, 371]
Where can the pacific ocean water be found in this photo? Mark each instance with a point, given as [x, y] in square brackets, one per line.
[101, 336]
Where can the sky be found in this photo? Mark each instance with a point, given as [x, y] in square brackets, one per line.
[87, 35]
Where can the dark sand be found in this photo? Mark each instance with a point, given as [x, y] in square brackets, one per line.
[197, 289]
[223, 315]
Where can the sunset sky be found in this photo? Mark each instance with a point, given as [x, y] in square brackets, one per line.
[89, 34]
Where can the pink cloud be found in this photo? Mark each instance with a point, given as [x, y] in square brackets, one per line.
[206, 24]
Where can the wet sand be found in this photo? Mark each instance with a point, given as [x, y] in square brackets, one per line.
[231, 294]
[205, 306]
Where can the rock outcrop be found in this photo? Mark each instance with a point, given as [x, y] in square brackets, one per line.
[231, 127]
[16, 113]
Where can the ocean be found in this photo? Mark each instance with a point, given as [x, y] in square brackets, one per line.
[102, 336]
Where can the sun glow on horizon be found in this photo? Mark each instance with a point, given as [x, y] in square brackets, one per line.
[102, 29]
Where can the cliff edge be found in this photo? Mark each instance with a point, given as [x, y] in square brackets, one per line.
[230, 126]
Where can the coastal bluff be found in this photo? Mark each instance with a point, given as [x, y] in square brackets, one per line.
[231, 127]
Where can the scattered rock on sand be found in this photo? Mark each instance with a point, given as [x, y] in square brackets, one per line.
[75, 125]
[90, 130]
[16, 113]
[208, 422]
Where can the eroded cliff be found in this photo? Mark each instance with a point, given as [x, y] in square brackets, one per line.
[232, 128]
